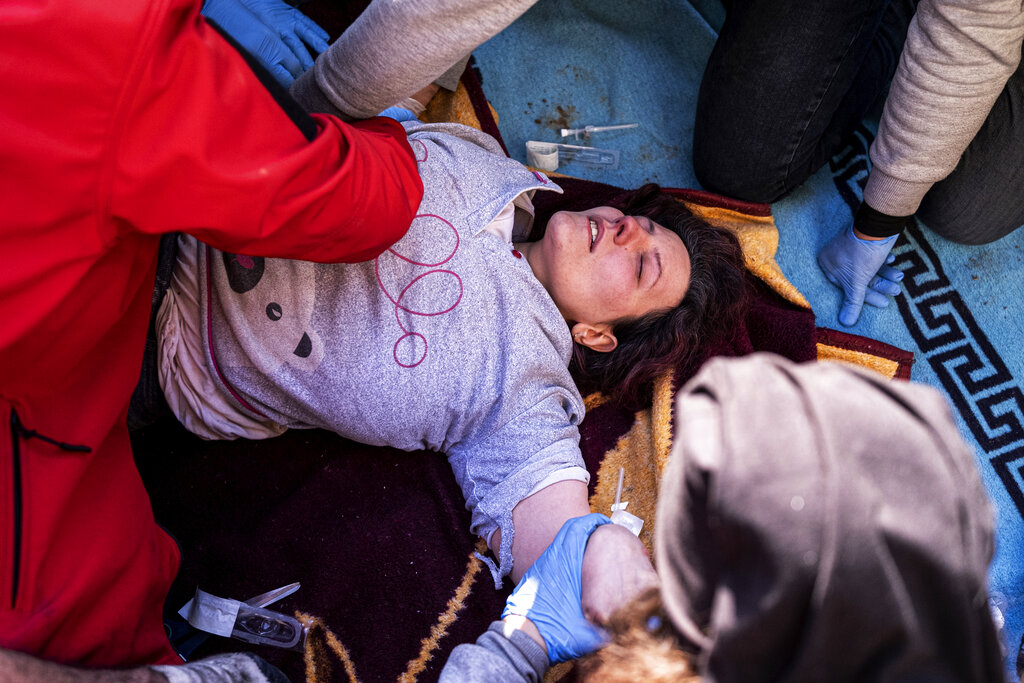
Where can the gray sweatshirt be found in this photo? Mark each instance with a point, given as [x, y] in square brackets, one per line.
[393, 49]
[445, 342]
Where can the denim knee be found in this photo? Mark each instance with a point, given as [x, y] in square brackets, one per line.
[980, 219]
[728, 169]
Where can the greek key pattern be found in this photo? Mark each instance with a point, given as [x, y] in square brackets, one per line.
[851, 166]
[970, 369]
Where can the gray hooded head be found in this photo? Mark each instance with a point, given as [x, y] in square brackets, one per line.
[818, 523]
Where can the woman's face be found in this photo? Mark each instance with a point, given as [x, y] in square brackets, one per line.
[601, 265]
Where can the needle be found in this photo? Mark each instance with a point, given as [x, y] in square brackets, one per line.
[618, 491]
[587, 130]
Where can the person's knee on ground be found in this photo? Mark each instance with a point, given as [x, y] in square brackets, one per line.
[729, 162]
[970, 214]
[779, 97]
[737, 156]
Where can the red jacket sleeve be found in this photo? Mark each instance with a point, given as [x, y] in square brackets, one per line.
[202, 147]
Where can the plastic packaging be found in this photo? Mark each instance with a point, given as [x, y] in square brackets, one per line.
[542, 155]
[235, 619]
[548, 155]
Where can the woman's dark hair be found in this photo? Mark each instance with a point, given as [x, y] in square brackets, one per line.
[651, 344]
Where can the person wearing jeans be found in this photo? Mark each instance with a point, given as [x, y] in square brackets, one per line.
[787, 82]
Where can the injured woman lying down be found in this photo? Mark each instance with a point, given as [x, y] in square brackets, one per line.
[459, 337]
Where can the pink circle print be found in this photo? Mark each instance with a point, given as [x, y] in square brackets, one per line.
[438, 288]
[419, 150]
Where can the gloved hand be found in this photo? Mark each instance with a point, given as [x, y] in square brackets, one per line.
[859, 267]
[550, 591]
[272, 31]
[400, 114]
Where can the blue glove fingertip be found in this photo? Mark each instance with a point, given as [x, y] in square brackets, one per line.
[849, 314]
[281, 75]
[578, 529]
[317, 45]
[298, 48]
[589, 522]
[876, 298]
[311, 33]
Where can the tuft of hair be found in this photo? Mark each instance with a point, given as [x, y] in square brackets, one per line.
[651, 344]
[637, 651]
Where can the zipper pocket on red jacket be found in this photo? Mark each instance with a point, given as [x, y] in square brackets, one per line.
[19, 433]
[16, 512]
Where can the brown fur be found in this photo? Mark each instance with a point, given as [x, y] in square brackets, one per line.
[636, 653]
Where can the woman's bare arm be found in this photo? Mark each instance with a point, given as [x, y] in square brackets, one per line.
[615, 564]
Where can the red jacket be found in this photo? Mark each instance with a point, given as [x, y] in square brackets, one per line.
[120, 121]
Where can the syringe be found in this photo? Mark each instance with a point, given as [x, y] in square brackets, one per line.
[587, 130]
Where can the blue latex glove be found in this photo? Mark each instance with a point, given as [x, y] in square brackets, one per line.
[274, 33]
[400, 114]
[860, 268]
[550, 592]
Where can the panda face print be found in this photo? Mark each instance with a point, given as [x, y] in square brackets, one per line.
[276, 299]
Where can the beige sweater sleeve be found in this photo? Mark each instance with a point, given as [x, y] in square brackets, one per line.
[956, 61]
[396, 47]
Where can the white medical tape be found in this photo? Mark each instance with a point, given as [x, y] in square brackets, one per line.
[212, 614]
